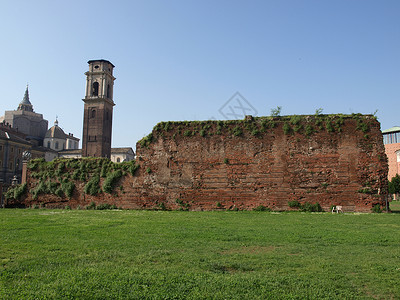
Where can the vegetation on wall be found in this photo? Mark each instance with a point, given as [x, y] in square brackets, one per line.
[307, 206]
[16, 192]
[59, 176]
[306, 125]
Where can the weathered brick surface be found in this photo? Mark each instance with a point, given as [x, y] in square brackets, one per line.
[224, 171]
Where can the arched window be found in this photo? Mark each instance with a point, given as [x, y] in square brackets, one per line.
[56, 145]
[108, 91]
[95, 89]
[48, 144]
[93, 113]
[118, 159]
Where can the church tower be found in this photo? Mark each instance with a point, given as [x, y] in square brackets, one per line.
[98, 111]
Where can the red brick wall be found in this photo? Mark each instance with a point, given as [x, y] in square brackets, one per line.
[222, 171]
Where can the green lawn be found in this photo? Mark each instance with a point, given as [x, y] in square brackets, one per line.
[60, 254]
[395, 206]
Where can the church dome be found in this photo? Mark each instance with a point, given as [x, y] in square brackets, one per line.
[55, 132]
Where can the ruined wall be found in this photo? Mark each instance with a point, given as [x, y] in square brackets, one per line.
[332, 160]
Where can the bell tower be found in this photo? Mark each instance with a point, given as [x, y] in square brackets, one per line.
[98, 110]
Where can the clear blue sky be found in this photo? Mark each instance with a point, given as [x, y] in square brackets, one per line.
[183, 59]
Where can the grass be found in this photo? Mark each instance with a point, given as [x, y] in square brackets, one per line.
[395, 206]
[60, 254]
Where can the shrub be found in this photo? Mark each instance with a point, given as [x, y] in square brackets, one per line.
[76, 175]
[262, 208]
[202, 133]
[39, 189]
[68, 188]
[226, 161]
[218, 204]
[183, 205]
[187, 133]
[133, 167]
[146, 141]
[286, 128]
[309, 207]
[276, 112]
[103, 206]
[376, 208]
[162, 206]
[364, 127]
[295, 120]
[294, 204]
[59, 192]
[93, 186]
[329, 126]
[309, 130]
[34, 164]
[16, 192]
[92, 205]
[111, 180]
[237, 131]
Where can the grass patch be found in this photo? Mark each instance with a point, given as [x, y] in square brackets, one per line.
[93, 254]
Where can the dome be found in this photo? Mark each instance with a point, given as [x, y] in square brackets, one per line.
[55, 132]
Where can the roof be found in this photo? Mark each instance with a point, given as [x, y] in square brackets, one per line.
[391, 130]
[55, 132]
[12, 136]
[113, 150]
[103, 60]
[122, 150]
[25, 100]
[71, 151]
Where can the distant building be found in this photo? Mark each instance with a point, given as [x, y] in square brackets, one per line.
[117, 154]
[12, 145]
[98, 109]
[122, 154]
[26, 121]
[391, 140]
[57, 140]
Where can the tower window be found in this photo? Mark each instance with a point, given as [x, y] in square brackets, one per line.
[93, 113]
[95, 89]
[96, 67]
[108, 91]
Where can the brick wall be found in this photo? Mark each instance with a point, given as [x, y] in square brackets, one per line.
[244, 164]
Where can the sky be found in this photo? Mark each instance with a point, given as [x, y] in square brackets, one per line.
[199, 60]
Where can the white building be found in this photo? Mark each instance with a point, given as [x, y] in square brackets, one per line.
[57, 140]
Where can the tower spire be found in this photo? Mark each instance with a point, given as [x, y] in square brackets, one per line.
[25, 104]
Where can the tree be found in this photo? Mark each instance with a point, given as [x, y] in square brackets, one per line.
[276, 112]
[394, 185]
